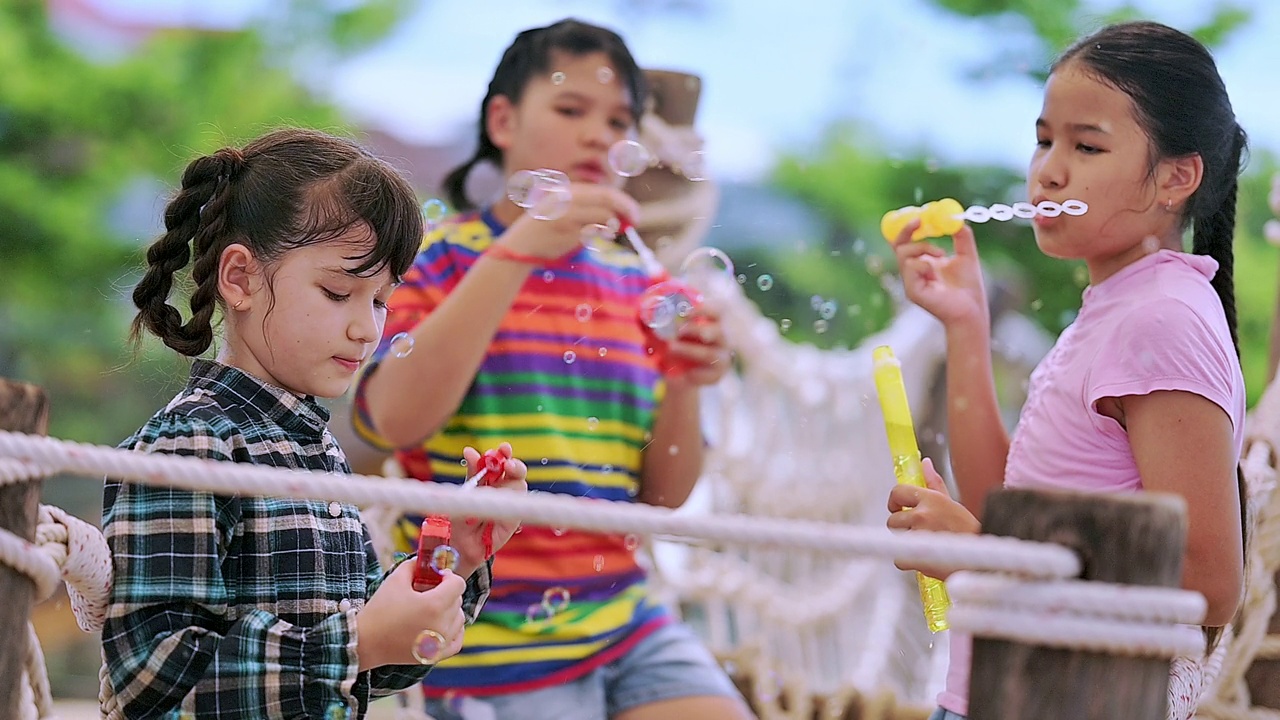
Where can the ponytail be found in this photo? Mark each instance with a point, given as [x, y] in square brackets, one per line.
[1214, 234]
[196, 215]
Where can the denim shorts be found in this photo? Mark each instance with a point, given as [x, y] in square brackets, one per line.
[945, 714]
[671, 663]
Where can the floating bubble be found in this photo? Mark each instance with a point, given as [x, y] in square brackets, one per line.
[694, 166]
[828, 310]
[707, 260]
[666, 307]
[522, 184]
[401, 344]
[570, 356]
[433, 211]
[428, 646]
[765, 282]
[1081, 275]
[784, 324]
[336, 711]
[544, 461]
[820, 326]
[1150, 244]
[607, 468]
[557, 531]
[631, 542]
[445, 557]
[604, 74]
[875, 264]
[674, 449]
[550, 203]
[815, 301]
[597, 563]
[742, 279]
[629, 158]
[1037, 304]
[859, 246]
[537, 613]
[604, 351]
[582, 312]
[557, 78]
[593, 423]
[548, 276]
[595, 236]
[556, 599]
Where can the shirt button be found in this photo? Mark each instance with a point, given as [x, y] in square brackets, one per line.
[344, 606]
[335, 508]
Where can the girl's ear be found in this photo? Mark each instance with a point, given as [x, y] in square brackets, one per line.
[239, 277]
[1179, 178]
[501, 122]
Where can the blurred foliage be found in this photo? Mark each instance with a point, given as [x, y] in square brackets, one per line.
[82, 138]
[850, 181]
[1055, 25]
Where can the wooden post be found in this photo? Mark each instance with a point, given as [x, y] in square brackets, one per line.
[23, 408]
[1130, 539]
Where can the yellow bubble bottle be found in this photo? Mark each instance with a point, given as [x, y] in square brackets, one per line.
[937, 219]
[906, 466]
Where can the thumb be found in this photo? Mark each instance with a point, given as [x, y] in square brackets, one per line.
[964, 242]
[932, 479]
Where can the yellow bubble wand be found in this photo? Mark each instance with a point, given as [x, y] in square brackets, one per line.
[906, 466]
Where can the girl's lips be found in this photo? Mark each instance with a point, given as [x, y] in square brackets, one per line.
[589, 172]
[349, 365]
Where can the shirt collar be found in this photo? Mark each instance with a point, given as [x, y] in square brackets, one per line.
[294, 413]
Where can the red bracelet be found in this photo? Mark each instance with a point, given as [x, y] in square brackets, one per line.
[502, 252]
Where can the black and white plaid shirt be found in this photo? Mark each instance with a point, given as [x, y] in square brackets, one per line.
[242, 607]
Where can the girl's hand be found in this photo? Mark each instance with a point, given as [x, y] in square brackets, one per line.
[700, 347]
[388, 624]
[468, 534]
[588, 204]
[949, 287]
[928, 508]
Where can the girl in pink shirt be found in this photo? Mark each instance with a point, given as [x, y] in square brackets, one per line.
[1144, 390]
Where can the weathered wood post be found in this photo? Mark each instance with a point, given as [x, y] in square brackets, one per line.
[1130, 539]
[23, 408]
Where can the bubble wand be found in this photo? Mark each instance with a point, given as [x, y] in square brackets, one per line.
[945, 217]
[906, 466]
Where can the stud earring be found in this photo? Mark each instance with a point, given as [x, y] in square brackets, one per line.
[1168, 205]
[237, 305]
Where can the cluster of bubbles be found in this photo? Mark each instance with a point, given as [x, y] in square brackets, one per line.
[555, 600]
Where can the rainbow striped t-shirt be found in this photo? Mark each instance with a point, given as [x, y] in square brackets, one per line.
[568, 381]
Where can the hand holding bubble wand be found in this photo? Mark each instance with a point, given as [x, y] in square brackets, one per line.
[435, 553]
[906, 466]
[945, 217]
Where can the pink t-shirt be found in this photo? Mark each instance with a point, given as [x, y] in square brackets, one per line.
[1157, 324]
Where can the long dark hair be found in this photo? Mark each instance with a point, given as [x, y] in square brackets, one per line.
[287, 189]
[1182, 104]
[530, 54]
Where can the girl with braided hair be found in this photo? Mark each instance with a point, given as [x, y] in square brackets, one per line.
[256, 607]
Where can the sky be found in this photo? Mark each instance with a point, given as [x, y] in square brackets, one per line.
[775, 74]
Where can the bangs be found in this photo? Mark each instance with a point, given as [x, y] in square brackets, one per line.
[368, 193]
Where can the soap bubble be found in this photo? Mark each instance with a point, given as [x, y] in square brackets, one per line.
[629, 158]
[433, 211]
[555, 599]
[764, 282]
[604, 74]
[582, 312]
[401, 344]
[557, 78]
[569, 357]
[707, 260]
[522, 183]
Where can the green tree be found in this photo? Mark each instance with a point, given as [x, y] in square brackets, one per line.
[81, 137]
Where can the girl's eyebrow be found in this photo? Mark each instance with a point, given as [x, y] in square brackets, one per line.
[1077, 127]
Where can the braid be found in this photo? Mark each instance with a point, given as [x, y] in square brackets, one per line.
[197, 212]
[1214, 236]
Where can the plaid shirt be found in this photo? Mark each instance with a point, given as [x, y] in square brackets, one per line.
[242, 607]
